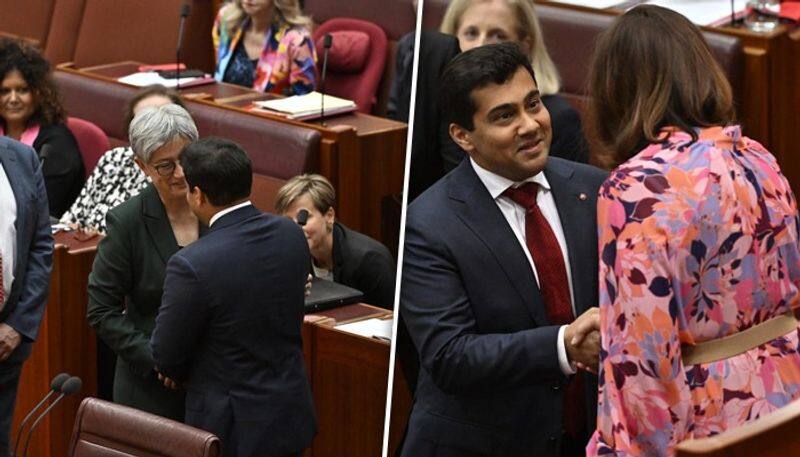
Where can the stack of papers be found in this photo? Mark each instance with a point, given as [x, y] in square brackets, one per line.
[308, 106]
[147, 78]
[371, 328]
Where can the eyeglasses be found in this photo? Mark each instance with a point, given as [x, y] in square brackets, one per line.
[165, 169]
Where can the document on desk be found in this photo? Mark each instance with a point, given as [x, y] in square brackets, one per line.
[371, 328]
[704, 12]
[308, 106]
[147, 78]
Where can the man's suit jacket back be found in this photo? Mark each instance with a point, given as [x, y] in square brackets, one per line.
[230, 326]
[490, 381]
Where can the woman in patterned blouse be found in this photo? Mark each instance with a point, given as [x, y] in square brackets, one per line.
[116, 178]
[266, 45]
[698, 240]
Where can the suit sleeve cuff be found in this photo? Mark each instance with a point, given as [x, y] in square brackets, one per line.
[567, 367]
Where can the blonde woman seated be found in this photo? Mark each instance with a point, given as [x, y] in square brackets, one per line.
[338, 253]
[479, 22]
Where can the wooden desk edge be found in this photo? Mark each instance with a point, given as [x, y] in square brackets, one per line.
[87, 72]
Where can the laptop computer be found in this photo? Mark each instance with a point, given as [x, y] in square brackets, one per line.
[328, 294]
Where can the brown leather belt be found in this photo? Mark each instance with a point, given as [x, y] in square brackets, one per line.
[738, 343]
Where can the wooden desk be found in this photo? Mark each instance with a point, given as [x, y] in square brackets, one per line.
[349, 378]
[769, 108]
[66, 343]
[362, 155]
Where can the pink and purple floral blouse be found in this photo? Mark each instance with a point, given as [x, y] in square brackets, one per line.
[698, 240]
[287, 64]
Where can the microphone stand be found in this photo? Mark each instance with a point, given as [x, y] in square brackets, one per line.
[27, 418]
[71, 386]
[55, 386]
[185, 8]
[328, 41]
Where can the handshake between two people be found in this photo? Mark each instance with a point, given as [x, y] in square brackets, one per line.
[582, 341]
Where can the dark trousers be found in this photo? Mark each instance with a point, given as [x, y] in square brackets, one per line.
[10, 371]
[574, 447]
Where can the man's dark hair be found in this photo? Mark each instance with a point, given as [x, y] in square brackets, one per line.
[474, 69]
[220, 168]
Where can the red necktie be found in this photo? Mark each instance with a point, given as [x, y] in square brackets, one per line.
[547, 256]
[554, 287]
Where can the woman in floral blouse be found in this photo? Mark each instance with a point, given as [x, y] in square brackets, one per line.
[266, 45]
[698, 240]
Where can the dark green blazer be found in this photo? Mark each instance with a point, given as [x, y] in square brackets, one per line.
[125, 289]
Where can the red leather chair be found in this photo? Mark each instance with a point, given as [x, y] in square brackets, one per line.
[92, 141]
[104, 429]
[355, 60]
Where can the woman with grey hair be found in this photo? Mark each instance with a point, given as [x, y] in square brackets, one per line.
[127, 278]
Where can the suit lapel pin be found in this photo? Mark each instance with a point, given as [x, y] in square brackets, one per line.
[582, 196]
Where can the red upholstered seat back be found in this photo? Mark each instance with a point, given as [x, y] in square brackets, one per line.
[395, 17]
[355, 61]
[144, 31]
[28, 19]
[277, 150]
[92, 141]
[103, 429]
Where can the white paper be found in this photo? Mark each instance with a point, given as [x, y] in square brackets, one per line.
[147, 78]
[702, 12]
[299, 105]
[599, 4]
[380, 328]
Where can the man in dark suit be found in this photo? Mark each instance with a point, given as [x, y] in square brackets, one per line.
[229, 324]
[26, 259]
[500, 277]
[432, 150]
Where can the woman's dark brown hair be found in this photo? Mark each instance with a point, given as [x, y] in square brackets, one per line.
[146, 92]
[653, 69]
[17, 55]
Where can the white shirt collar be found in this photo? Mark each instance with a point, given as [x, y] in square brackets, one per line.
[497, 184]
[226, 211]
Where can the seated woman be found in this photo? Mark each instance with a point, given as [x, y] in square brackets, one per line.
[116, 178]
[338, 253]
[479, 22]
[266, 45]
[698, 235]
[30, 112]
[127, 278]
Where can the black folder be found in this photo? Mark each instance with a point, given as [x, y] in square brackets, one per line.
[328, 294]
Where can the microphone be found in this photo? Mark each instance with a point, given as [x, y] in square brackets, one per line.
[302, 217]
[302, 220]
[185, 9]
[326, 44]
[69, 387]
[55, 386]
